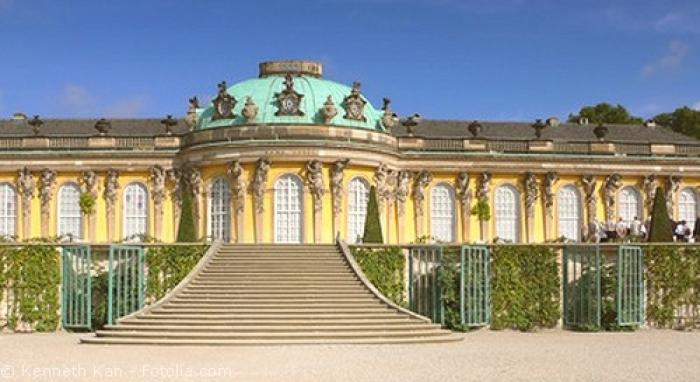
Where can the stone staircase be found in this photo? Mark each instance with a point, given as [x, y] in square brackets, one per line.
[244, 294]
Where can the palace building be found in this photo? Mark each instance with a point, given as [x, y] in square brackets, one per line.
[289, 157]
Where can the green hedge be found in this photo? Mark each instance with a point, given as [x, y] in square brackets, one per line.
[33, 274]
[525, 287]
[385, 270]
[673, 281]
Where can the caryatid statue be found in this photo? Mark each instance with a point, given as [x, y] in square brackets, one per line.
[314, 176]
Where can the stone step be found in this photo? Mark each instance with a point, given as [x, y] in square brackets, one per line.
[308, 272]
[275, 269]
[261, 322]
[287, 310]
[268, 306]
[261, 316]
[272, 328]
[272, 262]
[270, 288]
[278, 283]
[427, 331]
[447, 337]
[282, 301]
[347, 277]
[275, 295]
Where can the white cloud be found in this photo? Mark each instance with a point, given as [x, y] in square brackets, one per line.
[696, 106]
[74, 97]
[678, 21]
[672, 60]
[129, 107]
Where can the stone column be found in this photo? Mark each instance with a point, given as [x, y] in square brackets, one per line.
[589, 186]
[111, 185]
[403, 183]
[483, 195]
[550, 179]
[673, 183]
[236, 174]
[337, 192]
[464, 196]
[26, 185]
[174, 176]
[258, 186]
[88, 186]
[157, 180]
[531, 195]
[195, 182]
[423, 178]
[314, 179]
[46, 189]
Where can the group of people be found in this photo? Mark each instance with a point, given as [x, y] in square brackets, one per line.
[635, 230]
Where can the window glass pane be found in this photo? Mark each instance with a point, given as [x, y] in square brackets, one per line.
[69, 216]
[507, 213]
[442, 217]
[135, 211]
[358, 195]
[288, 214]
[220, 210]
[569, 207]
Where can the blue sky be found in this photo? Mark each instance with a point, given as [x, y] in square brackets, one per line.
[469, 59]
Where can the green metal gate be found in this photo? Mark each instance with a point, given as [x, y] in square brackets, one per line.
[424, 295]
[475, 286]
[126, 282]
[582, 288]
[76, 287]
[630, 286]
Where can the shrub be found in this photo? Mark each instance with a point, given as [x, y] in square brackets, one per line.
[168, 265]
[373, 227]
[186, 232]
[661, 230]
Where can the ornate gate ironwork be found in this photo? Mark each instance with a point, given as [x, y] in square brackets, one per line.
[475, 286]
[424, 295]
[630, 286]
[582, 287]
[126, 282]
[76, 287]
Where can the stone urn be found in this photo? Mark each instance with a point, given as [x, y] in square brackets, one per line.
[600, 131]
[250, 110]
[329, 111]
[475, 128]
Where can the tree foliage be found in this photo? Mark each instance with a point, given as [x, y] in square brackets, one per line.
[373, 228]
[660, 230]
[186, 232]
[605, 113]
[683, 120]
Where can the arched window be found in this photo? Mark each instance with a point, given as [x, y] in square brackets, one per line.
[507, 213]
[220, 210]
[8, 210]
[70, 222]
[135, 211]
[288, 209]
[358, 194]
[442, 213]
[569, 207]
[688, 206]
[629, 204]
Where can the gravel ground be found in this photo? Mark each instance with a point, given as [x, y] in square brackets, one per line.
[647, 355]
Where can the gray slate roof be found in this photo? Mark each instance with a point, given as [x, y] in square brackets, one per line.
[86, 127]
[563, 132]
[426, 129]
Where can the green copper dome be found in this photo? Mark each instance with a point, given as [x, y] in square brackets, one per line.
[313, 90]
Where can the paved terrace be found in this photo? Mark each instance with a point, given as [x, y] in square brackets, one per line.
[553, 355]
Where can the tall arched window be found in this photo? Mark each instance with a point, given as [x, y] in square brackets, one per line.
[688, 206]
[358, 194]
[629, 204]
[70, 222]
[288, 209]
[8, 210]
[507, 213]
[135, 210]
[442, 213]
[569, 207]
[220, 209]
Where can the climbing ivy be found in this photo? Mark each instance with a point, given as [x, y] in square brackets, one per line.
[168, 265]
[385, 270]
[31, 276]
[525, 287]
[673, 282]
[449, 288]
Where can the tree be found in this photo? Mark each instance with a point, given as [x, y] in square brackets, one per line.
[661, 229]
[683, 120]
[373, 228]
[606, 113]
[185, 231]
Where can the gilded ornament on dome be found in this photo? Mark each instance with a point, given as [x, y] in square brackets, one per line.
[223, 103]
[354, 104]
[288, 100]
